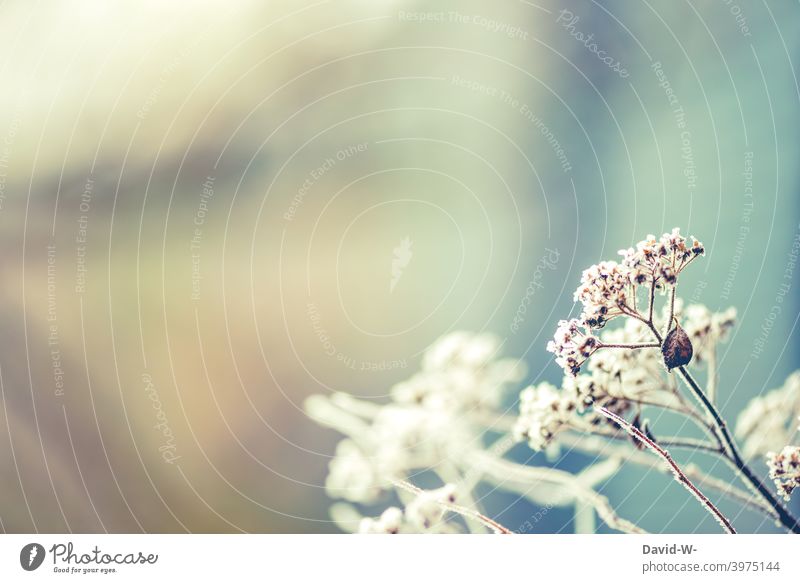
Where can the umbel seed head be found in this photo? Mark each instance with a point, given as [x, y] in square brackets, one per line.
[677, 348]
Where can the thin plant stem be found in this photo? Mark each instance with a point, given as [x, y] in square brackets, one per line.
[449, 473]
[671, 309]
[784, 516]
[650, 324]
[680, 476]
[630, 346]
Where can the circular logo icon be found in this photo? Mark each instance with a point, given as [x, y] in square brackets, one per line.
[31, 556]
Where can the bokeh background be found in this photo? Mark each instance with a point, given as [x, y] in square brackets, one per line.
[200, 204]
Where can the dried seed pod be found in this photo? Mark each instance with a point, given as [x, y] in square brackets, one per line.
[677, 348]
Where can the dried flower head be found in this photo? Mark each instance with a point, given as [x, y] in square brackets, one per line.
[609, 290]
[427, 422]
[784, 469]
[544, 410]
[461, 371]
[605, 288]
[659, 261]
[425, 514]
[437, 421]
[588, 391]
[428, 508]
[352, 475]
[572, 344]
[389, 522]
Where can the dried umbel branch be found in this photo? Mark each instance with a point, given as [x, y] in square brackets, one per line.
[614, 376]
[611, 290]
[435, 422]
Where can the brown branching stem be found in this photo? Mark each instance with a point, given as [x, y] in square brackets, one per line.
[680, 476]
[629, 346]
[671, 309]
[720, 429]
[784, 516]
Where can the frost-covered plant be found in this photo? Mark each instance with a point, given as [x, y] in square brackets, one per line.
[784, 469]
[438, 424]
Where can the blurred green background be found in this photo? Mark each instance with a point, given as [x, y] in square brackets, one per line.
[200, 204]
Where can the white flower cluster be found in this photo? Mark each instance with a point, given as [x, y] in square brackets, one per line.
[428, 421]
[461, 371]
[784, 469]
[424, 514]
[605, 288]
[614, 379]
[544, 410]
[627, 373]
[572, 344]
[659, 261]
[767, 423]
[399, 440]
[352, 475]
[609, 289]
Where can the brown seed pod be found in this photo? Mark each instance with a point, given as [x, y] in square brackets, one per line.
[677, 348]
